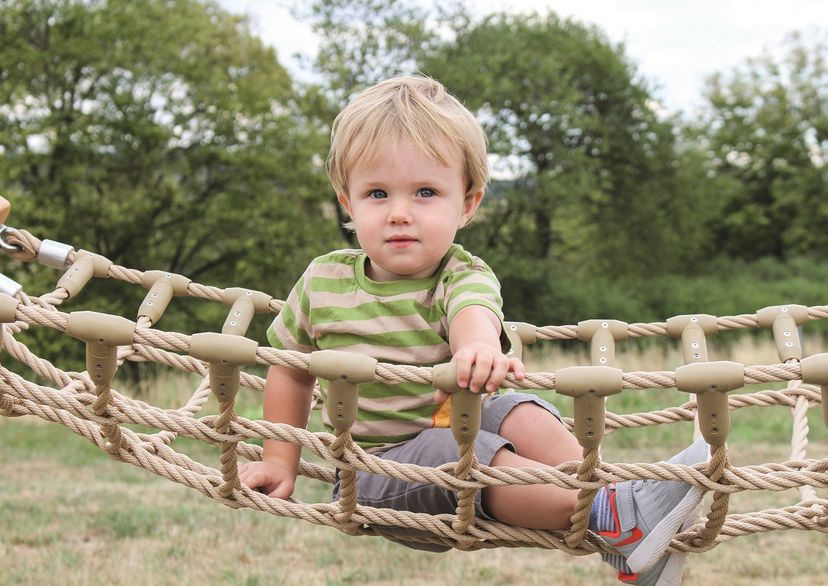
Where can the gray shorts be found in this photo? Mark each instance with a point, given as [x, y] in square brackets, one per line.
[435, 447]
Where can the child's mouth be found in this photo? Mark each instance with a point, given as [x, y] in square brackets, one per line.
[401, 241]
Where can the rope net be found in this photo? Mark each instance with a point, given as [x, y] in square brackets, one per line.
[88, 405]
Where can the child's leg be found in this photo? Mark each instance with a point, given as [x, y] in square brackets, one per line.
[540, 439]
[639, 518]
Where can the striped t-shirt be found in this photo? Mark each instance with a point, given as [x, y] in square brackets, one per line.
[335, 306]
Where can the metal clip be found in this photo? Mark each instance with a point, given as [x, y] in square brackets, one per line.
[5, 245]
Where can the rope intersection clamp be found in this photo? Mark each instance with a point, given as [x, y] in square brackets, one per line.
[520, 334]
[590, 385]
[244, 303]
[784, 320]
[80, 272]
[344, 371]
[710, 382]
[162, 287]
[815, 371]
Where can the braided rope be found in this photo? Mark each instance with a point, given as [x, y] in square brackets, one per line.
[100, 415]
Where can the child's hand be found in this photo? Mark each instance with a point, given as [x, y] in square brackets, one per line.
[271, 478]
[482, 367]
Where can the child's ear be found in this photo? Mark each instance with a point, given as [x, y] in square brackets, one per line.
[470, 205]
[345, 202]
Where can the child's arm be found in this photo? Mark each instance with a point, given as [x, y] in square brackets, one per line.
[287, 399]
[474, 337]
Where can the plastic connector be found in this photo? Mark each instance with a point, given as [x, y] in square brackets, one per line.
[244, 303]
[602, 334]
[100, 328]
[692, 329]
[86, 266]
[343, 371]
[784, 320]
[589, 385]
[520, 335]
[710, 382]
[815, 372]
[465, 405]
[225, 353]
[162, 287]
[8, 309]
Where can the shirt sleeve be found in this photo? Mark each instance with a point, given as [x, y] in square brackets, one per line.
[291, 329]
[475, 284]
[472, 284]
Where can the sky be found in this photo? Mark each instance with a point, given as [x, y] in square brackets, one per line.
[675, 43]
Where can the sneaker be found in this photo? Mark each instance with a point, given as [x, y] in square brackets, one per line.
[647, 514]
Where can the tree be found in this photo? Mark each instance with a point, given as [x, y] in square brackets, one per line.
[162, 135]
[591, 159]
[766, 128]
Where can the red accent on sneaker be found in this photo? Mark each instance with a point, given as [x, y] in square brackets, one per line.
[622, 577]
[617, 531]
[636, 535]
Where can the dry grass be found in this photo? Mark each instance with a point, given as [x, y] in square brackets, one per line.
[71, 516]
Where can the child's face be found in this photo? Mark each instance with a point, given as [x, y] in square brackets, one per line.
[407, 207]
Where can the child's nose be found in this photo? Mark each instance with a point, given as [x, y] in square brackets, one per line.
[400, 211]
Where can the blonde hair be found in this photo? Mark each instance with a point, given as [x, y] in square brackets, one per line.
[414, 108]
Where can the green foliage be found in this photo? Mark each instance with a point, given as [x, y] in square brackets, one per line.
[161, 134]
[767, 137]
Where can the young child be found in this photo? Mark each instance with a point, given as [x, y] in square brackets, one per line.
[408, 163]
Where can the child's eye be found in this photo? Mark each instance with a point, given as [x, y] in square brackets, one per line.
[376, 194]
[426, 192]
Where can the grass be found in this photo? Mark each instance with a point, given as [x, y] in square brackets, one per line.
[70, 515]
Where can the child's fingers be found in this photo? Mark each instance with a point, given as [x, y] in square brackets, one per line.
[440, 396]
[463, 363]
[499, 369]
[517, 368]
[483, 364]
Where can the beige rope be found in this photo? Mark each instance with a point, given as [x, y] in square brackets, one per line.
[101, 414]
[580, 519]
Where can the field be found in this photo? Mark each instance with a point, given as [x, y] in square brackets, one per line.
[69, 515]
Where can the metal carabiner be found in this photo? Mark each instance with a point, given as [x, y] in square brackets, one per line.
[5, 245]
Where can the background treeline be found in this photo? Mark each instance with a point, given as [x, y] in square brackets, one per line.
[164, 134]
